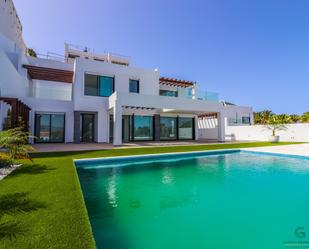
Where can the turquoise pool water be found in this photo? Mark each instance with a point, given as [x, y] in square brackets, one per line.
[226, 200]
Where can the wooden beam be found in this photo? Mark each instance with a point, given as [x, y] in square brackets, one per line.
[50, 74]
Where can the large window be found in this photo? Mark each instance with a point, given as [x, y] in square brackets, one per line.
[143, 128]
[169, 93]
[134, 86]
[186, 128]
[106, 86]
[91, 85]
[168, 128]
[49, 128]
[96, 85]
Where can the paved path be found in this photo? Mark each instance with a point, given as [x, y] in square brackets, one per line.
[294, 149]
[53, 147]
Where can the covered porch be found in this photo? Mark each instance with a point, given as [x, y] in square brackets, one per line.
[159, 118]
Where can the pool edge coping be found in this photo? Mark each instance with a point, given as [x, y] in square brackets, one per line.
[247, 150]
[154, 154]
[274, 153]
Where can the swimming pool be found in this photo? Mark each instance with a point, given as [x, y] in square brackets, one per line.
[227, 199]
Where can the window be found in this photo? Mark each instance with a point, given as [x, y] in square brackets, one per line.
[143, 128]
[168, 93]
[91, 85]
[106, 86]
[168, 128]
[246, 120]
[96, 85]
[49, 128]
[186, 128]
[134, 86]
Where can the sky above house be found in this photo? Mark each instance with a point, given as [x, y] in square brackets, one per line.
[252, 52]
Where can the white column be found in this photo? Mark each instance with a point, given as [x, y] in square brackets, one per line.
[221, 127]
[196, 127]
[117, 124]
[69, 127]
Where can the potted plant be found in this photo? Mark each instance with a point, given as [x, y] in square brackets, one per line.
[277, 123]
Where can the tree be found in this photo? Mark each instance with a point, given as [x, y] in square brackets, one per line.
[284, 118]
[277, 123]
[31, 52]
[305, 117]
[294, 118]
[262, 117]
[15, 143]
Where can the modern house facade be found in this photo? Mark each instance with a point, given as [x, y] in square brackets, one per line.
[86, 97]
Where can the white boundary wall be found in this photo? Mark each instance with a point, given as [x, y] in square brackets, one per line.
[208, 128]
[294, 133]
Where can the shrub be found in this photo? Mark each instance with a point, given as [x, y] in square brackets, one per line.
[5, 161]
[14, 142]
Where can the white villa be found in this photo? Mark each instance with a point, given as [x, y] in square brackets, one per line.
[89, 97]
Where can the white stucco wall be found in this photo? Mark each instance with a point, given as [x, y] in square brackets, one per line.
[12, 84]
[233, 112]
[208, 128]
[148, 82]
[40, 62]
[148, 85]
[294, 133]
[10, 25]
[52, 106]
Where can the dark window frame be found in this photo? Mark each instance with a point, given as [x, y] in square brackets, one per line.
[98, 84]
[193, 129]
[82, 127]
[176, 127]
[138, 85]
[36, 139]
[133, 128]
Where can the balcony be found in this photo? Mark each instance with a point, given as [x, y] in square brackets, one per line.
[50, 93]
[239, 121]
[209, 96]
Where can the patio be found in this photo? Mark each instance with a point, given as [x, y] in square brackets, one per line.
[57, 147]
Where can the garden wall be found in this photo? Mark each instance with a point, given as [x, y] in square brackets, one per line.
[294, 133]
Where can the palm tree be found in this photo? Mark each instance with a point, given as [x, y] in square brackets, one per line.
[262, 117]
[15, 143]
[284, 118]
[305, 117]
[277, 123]
[295, 118]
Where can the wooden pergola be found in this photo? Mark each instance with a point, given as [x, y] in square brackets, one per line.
[19, 110]
[50, 74]
[176, 82]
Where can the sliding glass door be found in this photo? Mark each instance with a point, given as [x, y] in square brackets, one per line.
[49, 128]
[168, 128]
[143, 128]
[186, 128]
[87, 127]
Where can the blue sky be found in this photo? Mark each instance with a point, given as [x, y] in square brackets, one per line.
[253, 52]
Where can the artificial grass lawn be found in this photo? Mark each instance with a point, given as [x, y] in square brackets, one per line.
[41, 203]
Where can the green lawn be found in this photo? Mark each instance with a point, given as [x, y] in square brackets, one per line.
[41, 203]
